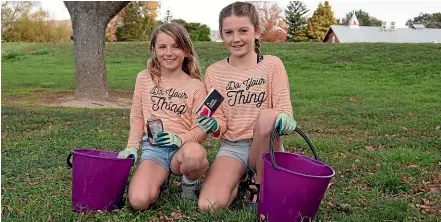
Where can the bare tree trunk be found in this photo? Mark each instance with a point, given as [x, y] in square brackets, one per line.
[89, 23]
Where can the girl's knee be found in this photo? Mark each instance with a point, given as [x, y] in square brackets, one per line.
[193, 152]
[214, 197]
[142, 200]
[213, 203]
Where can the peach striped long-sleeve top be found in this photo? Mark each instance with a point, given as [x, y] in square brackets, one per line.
[174, 102]
[247, 92]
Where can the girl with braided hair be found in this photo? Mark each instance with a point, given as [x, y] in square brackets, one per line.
[257, 101]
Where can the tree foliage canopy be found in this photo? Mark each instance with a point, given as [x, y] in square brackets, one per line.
[295, 18]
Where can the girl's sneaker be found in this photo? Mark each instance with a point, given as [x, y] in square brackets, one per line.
[190, 191]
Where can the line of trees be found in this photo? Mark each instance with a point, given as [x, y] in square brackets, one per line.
[363, 17]
[27, 22]
[137, 21]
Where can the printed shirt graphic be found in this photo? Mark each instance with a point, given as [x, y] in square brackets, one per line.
[174, 102]
[247, 92]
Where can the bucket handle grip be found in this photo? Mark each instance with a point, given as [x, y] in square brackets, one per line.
[69, 163]
[276, 133]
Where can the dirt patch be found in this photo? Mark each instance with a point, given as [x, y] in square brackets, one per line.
[117, 100]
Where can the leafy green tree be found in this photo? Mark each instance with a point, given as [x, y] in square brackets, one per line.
[203, 32]
[11, 13]
[295, 18]
[132, 26]
[196, 31]
[139, 21]
[320, 22]
[302, 35]
[363, 17]
[428, 20]
[180, 21]
[28, 22]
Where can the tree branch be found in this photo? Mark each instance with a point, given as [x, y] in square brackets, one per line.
[110, 9]
[106, 10]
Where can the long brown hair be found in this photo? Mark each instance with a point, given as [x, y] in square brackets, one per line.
[182, 38]
[242, 9]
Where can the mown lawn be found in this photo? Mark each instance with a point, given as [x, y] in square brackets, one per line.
[373, 111]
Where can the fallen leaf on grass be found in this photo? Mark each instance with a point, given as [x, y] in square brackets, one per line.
[423, 206]
[404, 128]
[403, 180]
[178, 215]
[364, 186]
[49, 218]
[372, 148]
[355, 180]
[426, 201]
[437, 128]
[354, 167]
[352, 100]
[330, 204]
[362, 200]
[437, 178]
[406, 196]
[369, 148]
[175, 182]
[378, 165]
[412, 166]
[418, 190]
[9, 208]
[175, 216]
[4, 136]
[434, 190]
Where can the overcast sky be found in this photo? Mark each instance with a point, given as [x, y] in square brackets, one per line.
[207, 12]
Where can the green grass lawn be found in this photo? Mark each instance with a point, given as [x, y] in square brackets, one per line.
[373, 111]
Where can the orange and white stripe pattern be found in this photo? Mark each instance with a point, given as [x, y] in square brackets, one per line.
[175, 103]
[247, 92]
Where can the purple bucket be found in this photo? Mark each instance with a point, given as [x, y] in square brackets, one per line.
[293, 188]
[98, 179]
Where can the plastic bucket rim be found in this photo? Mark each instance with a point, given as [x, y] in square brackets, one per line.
[296, 173]
[77, 152]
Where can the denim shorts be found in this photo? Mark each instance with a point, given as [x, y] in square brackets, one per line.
[161, 155]
[238, 150]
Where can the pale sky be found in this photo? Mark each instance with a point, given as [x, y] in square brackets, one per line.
[207, 12]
